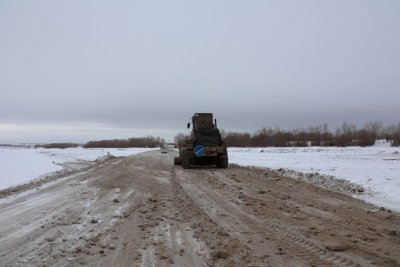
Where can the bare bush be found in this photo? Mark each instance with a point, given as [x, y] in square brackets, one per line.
[180, 138]
[237, 139]
[392, 133]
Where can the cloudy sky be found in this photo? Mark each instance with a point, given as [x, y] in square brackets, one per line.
[83, 70]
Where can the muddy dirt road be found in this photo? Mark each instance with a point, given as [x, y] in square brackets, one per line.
[143, 211]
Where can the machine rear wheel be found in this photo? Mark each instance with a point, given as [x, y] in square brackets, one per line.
[177, 161]
[222, 162]
[185, 160]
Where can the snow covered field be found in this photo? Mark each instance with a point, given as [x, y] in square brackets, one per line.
[20, 165]
[376, 168]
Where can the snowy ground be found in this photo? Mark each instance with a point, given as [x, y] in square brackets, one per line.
[20, 165]
[376, 168]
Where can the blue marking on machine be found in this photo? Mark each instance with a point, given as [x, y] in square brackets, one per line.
[199, 150]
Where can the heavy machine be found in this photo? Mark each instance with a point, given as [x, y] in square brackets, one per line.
[205, 145]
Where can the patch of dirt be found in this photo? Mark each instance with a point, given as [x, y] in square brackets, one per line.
[143, 211]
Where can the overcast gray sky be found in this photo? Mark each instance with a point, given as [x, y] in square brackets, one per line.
[82, 70]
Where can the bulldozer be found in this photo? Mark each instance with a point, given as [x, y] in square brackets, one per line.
[205, 146]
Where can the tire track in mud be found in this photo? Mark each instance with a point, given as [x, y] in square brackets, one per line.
[225, 250]
[325, 215]
[299, 245]
[306, 250]
[169, 218]
[150, 216]
[289, 242]
[168, 234]
[341, 223]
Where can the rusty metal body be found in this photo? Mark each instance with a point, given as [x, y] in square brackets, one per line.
[205, 147]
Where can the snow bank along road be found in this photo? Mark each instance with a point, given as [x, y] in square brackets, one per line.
[376, 168]
[143, 211]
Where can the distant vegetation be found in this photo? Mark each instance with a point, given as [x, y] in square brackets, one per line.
[345, 135]
[57, 145]
[148, 141]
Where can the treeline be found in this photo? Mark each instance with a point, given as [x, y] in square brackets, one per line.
[148, 141]
[57, 145]
[345, 135]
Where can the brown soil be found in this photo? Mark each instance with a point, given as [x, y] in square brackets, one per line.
[143, 211]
